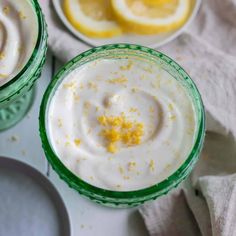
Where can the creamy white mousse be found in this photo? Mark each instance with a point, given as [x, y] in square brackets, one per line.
[121, 124]
[18, 36]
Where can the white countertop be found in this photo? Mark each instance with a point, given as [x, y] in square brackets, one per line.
[22, 142]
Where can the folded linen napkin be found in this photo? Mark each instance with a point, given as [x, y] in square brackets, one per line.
[206, 204]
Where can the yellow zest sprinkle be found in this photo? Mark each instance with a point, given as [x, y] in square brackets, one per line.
[120, 80]
[112, 134]
[152, 165]
[69, 85]
[115, 121]
[91, 177]
[118, 186]
[131, 165]
[92, 85]
[128, 66]
[21, 15]
[110, 120]
[77, 142]
[140, 125]
[133, 137]
[6, 10]
[127, 125]
[102, 120]
[97, 108]
[111, 148]
[119, 129]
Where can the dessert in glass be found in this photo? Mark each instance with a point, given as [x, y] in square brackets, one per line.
[122, 124]
[23, 45]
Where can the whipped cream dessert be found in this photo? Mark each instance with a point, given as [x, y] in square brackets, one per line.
[121, 124]
[18, 36]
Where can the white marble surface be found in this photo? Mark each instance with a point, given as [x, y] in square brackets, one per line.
[22, 142]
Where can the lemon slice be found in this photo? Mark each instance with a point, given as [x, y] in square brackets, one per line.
[92, 17]
[156, 2]
[151, 16]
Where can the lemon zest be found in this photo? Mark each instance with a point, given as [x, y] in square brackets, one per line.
[77, 142]
[152, 165]
[128, 66]
[117, 129]
[119, 80]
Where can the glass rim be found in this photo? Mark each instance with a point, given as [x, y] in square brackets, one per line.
[37, 9]
[80, 185]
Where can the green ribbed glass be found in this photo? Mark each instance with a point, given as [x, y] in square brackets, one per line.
[17, 95]
[126, 198]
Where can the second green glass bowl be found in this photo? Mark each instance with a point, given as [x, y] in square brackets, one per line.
[17, 95]
[128, 198]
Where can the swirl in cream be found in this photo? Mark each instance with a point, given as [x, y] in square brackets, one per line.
[153, 143]
[18, 36]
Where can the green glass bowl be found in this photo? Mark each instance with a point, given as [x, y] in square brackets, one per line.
[125, 198]
[16, 96]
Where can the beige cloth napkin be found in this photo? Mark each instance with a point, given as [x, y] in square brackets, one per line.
[206, 203]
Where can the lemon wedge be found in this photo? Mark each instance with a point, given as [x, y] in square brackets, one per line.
[92, 17]
[151, 16]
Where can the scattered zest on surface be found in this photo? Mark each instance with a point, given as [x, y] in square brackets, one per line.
[118, 130]
[77, 142]
[152, 165]
[120, 80]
